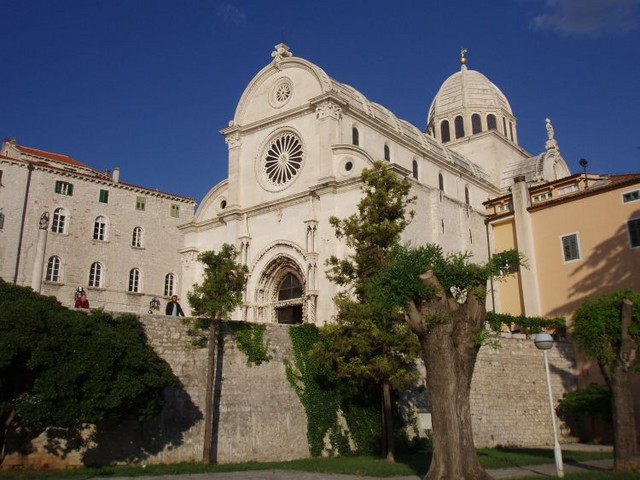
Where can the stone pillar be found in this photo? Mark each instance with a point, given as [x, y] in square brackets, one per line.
[38, 263]
[524, 239]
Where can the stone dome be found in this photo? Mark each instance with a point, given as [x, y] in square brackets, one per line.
[468, 103]
[468, 90]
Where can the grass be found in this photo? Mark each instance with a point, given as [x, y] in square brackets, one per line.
[414, 463]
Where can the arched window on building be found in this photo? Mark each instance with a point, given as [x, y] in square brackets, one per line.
[387, 153]
[511, 131]
[136, 237]
[491, 122]
[466, 195]
[415, 169]
[135, 281]
[476, 124]
[441, 182]
[355, 136]
[169, 284]
[100, 229]
[53, 269]
[289, 311]
[95, 275]
[459, 126]
[504, 126]
[60, 221]
[445, 134]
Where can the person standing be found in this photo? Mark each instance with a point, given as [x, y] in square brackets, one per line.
[82, 301]
[173, 307]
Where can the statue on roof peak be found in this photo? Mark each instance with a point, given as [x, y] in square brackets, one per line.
[281, 52]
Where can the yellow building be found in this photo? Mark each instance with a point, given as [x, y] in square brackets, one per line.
[580, 236]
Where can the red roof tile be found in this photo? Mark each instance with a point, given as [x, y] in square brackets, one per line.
[56, 157]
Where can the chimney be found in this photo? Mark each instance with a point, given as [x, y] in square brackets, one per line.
[115, 176]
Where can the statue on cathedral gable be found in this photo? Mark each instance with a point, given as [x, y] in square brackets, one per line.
[281, 52]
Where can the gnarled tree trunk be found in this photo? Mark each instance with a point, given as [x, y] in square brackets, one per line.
[447, 331]
[618, 377]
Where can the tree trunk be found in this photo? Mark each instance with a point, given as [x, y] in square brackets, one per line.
[447, 331]
[208, 407]
[6, 425]
[618, 376]
[387, 421]
[625, 445]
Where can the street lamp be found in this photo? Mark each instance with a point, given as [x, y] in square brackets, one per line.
[544, 342]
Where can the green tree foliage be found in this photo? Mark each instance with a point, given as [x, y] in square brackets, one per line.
[607, 329]
[221, 289]
[443, 297]
[64, 368]
[215, 298]
[369, 342]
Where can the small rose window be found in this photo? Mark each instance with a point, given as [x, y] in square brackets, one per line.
[280, 93]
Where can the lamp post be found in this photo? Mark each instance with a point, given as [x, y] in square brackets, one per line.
[544, 342]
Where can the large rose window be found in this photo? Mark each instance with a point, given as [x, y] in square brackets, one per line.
[283, 159]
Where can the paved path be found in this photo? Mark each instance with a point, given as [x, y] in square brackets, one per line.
[541, 471]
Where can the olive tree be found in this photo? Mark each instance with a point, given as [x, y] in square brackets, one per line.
[607, 330]
[443, 299]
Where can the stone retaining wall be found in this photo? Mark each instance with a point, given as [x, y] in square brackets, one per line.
[260, 417]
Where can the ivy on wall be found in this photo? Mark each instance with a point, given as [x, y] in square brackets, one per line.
[350, 424]
[250, 341]
[526, 324]
[249, 337]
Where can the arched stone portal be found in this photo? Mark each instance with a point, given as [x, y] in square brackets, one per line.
[281, 292]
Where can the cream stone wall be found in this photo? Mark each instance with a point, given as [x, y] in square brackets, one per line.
[77, 248]
[281, 228]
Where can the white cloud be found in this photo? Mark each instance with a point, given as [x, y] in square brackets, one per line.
[230, 13]
[589, 17]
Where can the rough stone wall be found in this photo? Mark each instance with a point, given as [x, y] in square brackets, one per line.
[259, 417]
[509, 396]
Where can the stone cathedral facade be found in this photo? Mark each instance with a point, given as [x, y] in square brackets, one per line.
[297, 143]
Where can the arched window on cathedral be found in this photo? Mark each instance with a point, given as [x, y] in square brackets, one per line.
[100, 229]
[459, 126]
[491, 122]
[445, 135]
[355, 136]
[95, 275]
[387, 153]
[504, 126]
[476, 125]
[169, 284]
[60, 222]
[136, 237]
[289, 295]
[415, 169]
[53, 269]
[466, 195]
[511, 131]
[135, 281]
[441, 182]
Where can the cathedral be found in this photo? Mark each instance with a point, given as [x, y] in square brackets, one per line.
[297, 143]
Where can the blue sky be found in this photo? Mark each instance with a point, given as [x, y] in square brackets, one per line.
[147, 85]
